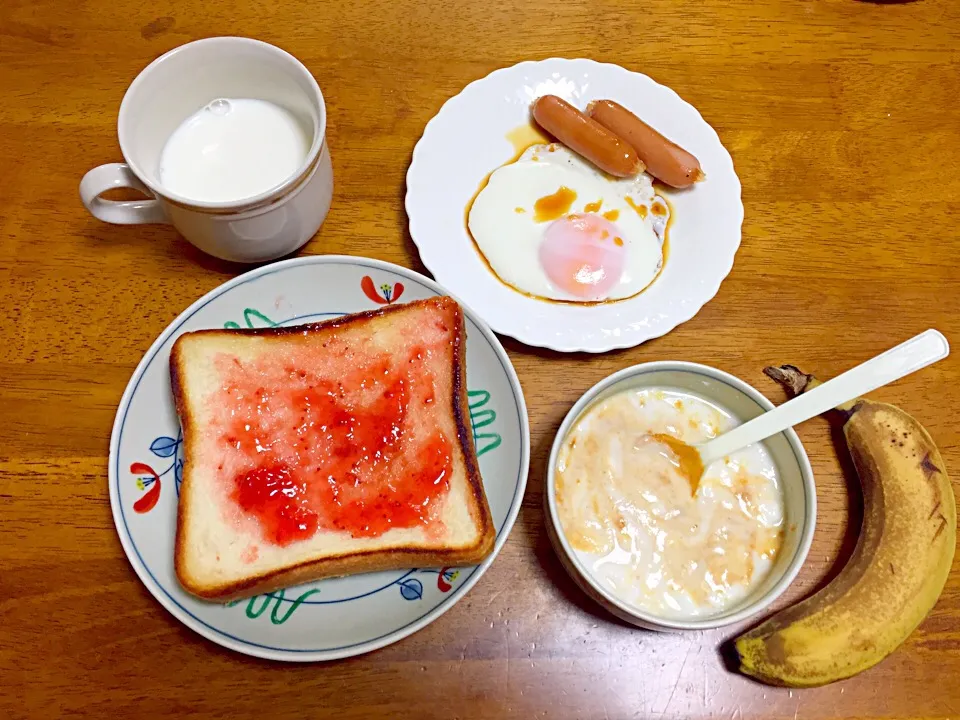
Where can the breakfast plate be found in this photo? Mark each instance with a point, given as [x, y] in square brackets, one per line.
[487, 125]
[332, 618]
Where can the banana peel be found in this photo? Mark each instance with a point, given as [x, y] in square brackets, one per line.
[897, 570]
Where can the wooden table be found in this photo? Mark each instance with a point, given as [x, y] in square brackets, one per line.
[842, 118]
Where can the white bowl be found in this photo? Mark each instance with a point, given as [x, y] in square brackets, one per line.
[796, 477]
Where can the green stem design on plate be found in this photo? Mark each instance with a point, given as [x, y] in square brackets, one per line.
[485, 441]
[280, 620]
[249, 315]
[254, 611]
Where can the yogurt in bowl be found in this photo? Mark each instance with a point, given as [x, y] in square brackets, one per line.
[628, 524]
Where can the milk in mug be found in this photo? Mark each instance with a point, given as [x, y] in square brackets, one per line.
[233, 149]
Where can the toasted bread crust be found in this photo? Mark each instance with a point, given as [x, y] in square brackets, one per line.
[353, 562]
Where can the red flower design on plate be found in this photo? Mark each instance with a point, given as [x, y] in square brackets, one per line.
[149, 499]
[384, 295]
[445, 577]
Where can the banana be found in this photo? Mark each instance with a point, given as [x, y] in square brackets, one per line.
[897, 570]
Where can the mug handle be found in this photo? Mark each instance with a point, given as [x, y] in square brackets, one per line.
[127, 212]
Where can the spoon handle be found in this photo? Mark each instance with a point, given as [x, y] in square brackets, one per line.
[908, 357]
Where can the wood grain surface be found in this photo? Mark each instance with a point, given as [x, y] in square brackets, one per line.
[844, 124]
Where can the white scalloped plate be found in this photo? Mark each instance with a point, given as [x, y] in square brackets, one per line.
[466, 140]
[332, 618]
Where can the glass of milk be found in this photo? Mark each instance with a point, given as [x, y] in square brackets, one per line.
[226, 137]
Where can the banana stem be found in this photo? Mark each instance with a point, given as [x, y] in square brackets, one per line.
[797, 382]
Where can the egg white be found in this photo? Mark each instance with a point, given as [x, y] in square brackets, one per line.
[510, 239]
[639, 187]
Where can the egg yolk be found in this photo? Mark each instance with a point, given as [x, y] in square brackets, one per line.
[583, 255]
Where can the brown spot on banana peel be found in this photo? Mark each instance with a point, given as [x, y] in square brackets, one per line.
[928, 467]
[940, 529]
[775, 648]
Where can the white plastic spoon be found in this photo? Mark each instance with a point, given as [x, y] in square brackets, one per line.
[908, 357]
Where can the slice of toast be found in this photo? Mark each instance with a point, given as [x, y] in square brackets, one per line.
[326, 449]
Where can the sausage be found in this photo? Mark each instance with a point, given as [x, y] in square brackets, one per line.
[586, 137]
[664, 159]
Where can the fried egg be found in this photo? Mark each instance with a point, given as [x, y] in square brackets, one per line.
[552, 225]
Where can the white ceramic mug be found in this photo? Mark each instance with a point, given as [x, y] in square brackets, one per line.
[173, 87]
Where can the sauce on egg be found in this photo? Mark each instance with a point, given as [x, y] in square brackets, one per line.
[525, 136]
[633, 522]
[550, 207]
[641, 210]
[522, 138]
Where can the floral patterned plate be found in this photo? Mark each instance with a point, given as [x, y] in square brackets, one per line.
[332, 618]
